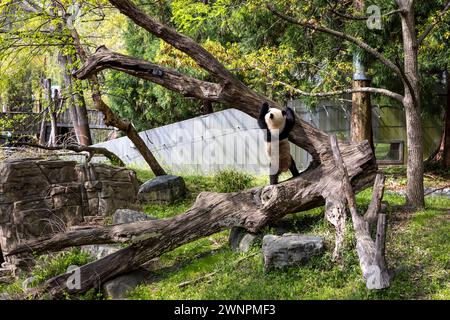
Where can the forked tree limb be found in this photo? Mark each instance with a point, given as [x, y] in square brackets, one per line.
[252, 213]
[372, 212]
[115, 160]
[370, 252]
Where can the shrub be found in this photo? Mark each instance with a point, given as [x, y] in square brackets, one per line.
[232, 181]
[48, 266]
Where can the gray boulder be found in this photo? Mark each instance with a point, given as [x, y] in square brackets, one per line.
[241, 240]
[290, 249]
[98, 251]
[163, 189]
[128, 216]
[117, 288]
[5, 296]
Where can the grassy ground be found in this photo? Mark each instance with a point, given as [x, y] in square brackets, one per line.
[418, 249]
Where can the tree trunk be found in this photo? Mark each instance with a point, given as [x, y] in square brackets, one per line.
[361, 118]
[77, 105]
[411, 103]
[371, 253]
[53, 128]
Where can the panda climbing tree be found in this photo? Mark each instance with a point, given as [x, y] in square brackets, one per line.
[278, 124]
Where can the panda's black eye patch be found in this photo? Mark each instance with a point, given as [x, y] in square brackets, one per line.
[271, 116]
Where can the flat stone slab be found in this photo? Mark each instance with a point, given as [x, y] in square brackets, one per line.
[129, 216]
[290, 249]
[163, 189]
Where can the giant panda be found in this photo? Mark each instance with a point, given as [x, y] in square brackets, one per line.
[278, 122]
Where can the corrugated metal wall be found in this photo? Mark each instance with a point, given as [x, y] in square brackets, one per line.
[232, 139]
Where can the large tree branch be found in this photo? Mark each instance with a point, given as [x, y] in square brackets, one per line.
[173, 80]
[77, 148]
[431, 26]
[363, 45]
[183, 43]
[385, 92]
[233, 94]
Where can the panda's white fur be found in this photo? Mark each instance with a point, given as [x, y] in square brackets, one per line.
[276, 121]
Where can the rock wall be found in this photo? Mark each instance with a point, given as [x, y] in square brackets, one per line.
[39, 197]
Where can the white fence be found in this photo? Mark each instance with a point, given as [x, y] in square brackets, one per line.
[225, 139]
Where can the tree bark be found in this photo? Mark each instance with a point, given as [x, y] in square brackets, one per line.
[361, 118]
[370, 252]
[411, 103]
[411, 98]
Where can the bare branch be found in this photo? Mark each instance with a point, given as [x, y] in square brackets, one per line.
[385, 92]
[430, 27]
[77, 148]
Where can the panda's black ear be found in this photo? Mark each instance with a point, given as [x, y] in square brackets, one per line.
[283, 112]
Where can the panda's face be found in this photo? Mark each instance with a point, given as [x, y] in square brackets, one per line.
[275, 119]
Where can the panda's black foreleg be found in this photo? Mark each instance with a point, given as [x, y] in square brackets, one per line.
[293, 168]
[273, 179]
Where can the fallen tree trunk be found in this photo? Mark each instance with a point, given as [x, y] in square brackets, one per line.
[253, 212]
[212, 212]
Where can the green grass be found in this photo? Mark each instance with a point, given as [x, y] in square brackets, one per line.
[48, 266]
[418, 248]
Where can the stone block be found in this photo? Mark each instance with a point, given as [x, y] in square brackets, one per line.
[162, 189]
[290, 249]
